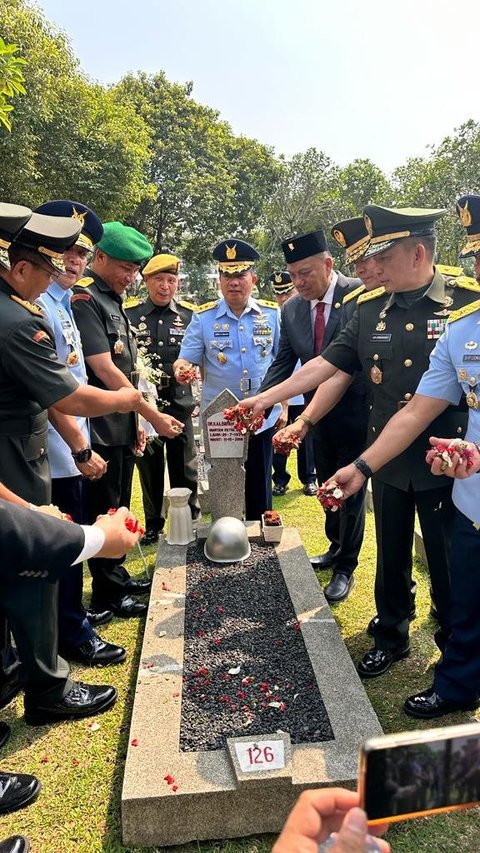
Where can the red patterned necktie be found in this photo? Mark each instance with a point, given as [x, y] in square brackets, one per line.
[319, 328]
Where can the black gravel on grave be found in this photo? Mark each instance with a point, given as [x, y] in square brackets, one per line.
[241, 615]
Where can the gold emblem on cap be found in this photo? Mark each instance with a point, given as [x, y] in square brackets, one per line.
[231, 252]
[464, 214]
[79, 216]
[340, 237]
[291, 246]
[368, 224]
[278, 278]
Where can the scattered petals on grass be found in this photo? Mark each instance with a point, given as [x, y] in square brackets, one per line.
[45, 759]
[94, 727]
[234, 670]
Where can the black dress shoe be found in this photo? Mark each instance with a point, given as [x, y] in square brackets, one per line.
[10, 687]
[96, 618]
[17, 790]
[324, 561]
[378, 661]
[310, 489]
[138, 587]
[339, 587]
[95, 652]
[374, 621]
[4, 733]
[149, 537]
[15, 844]
[427, 705]
[278, 491]
[83, 700]
[126, 607]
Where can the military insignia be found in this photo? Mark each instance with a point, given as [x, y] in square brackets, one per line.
[471, 345]
[462, 374]
[472, 400]
[376, 375]
[216, 325]
[30, 306]
[354, 293]
[464, 312]
[142, 327]
[80, 297]
[340, 238]
[178, 321]
[381, 326]
[371, 294]
[72, 358]
[291, 246]
[473, 381]
[206, 306]
[80, 217]
[85, 282]
[142, 319]
[278, 278]
[443, 313]
[447, 302]
[231, 252]
[221, 358]
[435, 329]
[266, 303]
[465, 215]
[40, 336]
[368, 224]
[119, 347]
[225, 325]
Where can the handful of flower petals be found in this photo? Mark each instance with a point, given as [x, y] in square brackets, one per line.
[331, 496]
[187, 373]
[439, 451]
[130, 523]
[243, 420]
[283, 444]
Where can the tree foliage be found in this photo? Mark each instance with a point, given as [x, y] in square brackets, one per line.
[11, 80]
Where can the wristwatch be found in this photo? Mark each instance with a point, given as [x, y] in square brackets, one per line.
[83, 455]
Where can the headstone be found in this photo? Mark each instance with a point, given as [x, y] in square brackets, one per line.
[226, 451]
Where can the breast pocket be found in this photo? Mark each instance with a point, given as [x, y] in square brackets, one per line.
[34, 446]
[262, 347]
[377, 358]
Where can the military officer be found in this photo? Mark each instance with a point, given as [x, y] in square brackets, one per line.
[310, 320]
[160, 322]
[234, 340]
[391, 335]
[110, 353]
[283, 288]
[468, 209]
[71, 463]
[453, 375]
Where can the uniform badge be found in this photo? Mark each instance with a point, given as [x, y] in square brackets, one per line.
[462, 374]
[178, 321]
[119, 346]
[142, 327]
[447, 302]
[472, 400]
[225, 326]
[435, 329]
[382, 314]
[376, 375]
[72, 358]
[471, 345]
[381, 326]
[221, 358]
[216, 325]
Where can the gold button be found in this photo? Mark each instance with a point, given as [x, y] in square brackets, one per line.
[407, 396]
[376, 357]
[337, 305]
[409, 327]
[244, 349]
[459, 429]
[408, 362]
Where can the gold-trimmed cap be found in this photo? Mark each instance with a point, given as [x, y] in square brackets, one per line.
[50, 237]
[352, 235]
[387, 225]
[161, 263]
[13, 217]
[468, 209]
[92, 228]
[234, 256]
[281, 282]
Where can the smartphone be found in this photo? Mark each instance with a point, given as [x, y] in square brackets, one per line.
[410, 774]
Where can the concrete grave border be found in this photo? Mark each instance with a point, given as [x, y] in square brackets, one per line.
[213, 799]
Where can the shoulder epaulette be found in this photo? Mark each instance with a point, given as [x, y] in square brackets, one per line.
[30, 306]
[467, 283]
[266, 303]
[371, 294]
[206, 306]
[190, 305]
[353, 294]
[464, 312]
[454, 272]
[131, 302]
[85, 282]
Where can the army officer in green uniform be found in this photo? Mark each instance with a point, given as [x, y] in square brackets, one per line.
[160, 322]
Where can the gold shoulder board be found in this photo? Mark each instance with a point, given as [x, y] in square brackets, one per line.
[130, 301]
[464, 312]
[266, 303]
[206, 306]
[371, 294]
[451, 271]
[467, 283]
[353, 294]
[85, 282]
[190, 305]
[30, 306]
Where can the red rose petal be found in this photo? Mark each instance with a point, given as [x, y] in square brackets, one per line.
[134, 742]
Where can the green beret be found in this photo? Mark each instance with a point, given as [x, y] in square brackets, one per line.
[124, 243]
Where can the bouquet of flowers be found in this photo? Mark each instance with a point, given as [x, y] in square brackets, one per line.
[445, 453]
[285, 443]
[243, 420]
[331, 496]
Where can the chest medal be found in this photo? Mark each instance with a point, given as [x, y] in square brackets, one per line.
[221, 358]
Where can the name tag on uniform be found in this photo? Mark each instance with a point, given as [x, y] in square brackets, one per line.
[221, 334]
[472, 357]
[176, 331]
[115, 317]
[386, 337]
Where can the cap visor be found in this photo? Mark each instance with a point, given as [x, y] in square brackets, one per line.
[377, 248]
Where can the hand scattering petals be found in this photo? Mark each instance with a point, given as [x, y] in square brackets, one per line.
[445, 453]
[331, 496]
[283, 444]
[243, 420]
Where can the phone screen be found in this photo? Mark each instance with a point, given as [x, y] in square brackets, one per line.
[423, 777]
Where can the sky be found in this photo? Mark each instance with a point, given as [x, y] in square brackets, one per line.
[377, 79]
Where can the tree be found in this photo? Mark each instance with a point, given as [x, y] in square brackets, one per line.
[11, 80]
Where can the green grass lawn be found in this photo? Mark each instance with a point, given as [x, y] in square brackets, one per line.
[81, 767]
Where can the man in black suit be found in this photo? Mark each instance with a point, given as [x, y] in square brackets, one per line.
[310, 321]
